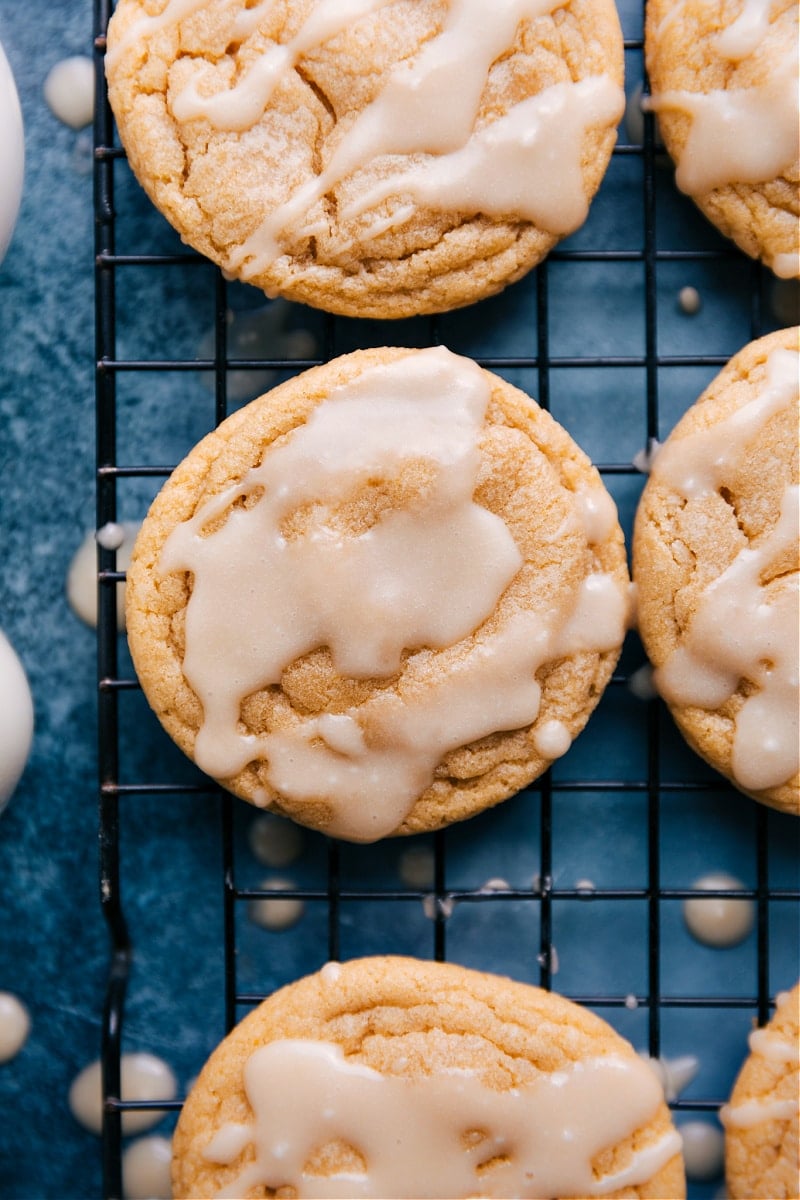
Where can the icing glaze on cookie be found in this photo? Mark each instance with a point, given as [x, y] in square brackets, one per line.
[422, 124]
[739, 134]
[740, 630]
[447, 1134]
[267, 591]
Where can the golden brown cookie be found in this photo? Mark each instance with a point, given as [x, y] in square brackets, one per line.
[397, 1077]
[374, 158]
[715, 562]
[762, 1119]
[723, 75]
[380, 598]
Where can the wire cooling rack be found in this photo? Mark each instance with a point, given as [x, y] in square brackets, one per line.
[595, 335]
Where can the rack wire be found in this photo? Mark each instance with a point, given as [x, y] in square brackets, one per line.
[653, 786]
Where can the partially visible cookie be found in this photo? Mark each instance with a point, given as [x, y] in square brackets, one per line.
[395, 1077]
[715, 560]
[380, 598]
[723, 75]
[374, 158]
[762, 1119]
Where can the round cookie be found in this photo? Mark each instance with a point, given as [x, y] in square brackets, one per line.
[380, 598]
[374, 158]
[723, 75]
[415, 1062]
[762, 1119]
[715, 564]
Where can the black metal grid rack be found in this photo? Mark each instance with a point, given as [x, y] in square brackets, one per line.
[654, 785]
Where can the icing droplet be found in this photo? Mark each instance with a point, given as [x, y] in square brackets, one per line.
[15, 1025]
[330, 972]
[719, 921]
[275, 841]
[280, 913]
[69, 91]
[689, 300]
[416, 866]
[644, 460]
[16, 720]
[82, 574]
[703, 1150]
[146, 1165]
[674, 1074]
[551, 739]
[143, 1077]
[641, 683]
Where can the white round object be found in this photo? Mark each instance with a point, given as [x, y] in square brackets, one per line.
[82, 573]
[16, 720]
[417, 866]
[69, 91]
[143, 1076]
[275, 841]
[703, 1150]
[146, 1169]
[719, 921]
[15, 1025]
[689, 300]
[12, 153]
[277, 914]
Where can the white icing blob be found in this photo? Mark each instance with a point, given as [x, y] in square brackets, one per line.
[146, 1169]
[643, 460]
[585, 885]
[16, 720]
[330, 972]
[416, 866]
[257, 333]
[275, 841]
[15, 1025]
[551, 739]
[674, 1074]
[434, 906]
[143, 1076]
[689, 300]
[69, 91]
[703, 1150]
[631, 1002]
[640, 683]
[280, 913]
[719, 921]
[82, 573]
[12, 153]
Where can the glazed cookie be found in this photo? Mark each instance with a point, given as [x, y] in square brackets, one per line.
[382, 597]
[762, 1119]
[715, 563]
[374, 158]
[723, 75]
[396, 1077]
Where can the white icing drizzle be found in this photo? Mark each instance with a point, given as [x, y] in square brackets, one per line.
[739, 134]
[772, 1046]
[240, 107]
[739, 631]
[526, 164]
[597, 511]
[753, 1112]
[412, 1134]
[746, 33]
[370, 598]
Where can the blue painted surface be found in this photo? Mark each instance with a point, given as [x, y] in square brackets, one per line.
[53, 946]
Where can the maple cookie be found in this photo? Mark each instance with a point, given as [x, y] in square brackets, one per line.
[398, 1077]
[762, 1119]
[380, 598]
[715, 562]
[723, 74]
[375, 158]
